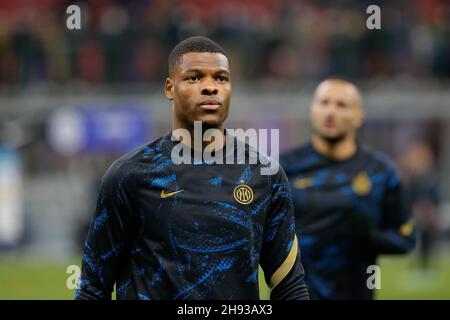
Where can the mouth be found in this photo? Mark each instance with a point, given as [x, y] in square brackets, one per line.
[210, 105]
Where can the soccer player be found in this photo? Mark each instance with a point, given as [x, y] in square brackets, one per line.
[191, 231]
[348, 199]
[421, 185]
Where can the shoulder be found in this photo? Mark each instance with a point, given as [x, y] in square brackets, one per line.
[268, 166]
[293, 155]
[293, 159]
[379, 158]
[123, 170]
[382, 164]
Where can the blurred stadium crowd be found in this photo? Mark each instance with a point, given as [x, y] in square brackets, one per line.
[71, 101]
[282, 40]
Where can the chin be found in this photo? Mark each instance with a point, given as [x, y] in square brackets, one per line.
[328, 135]
[212, 122]
[333, 138]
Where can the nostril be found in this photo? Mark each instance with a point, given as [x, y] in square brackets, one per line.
[209, 91]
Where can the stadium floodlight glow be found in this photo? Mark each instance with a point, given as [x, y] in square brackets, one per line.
[66, 133]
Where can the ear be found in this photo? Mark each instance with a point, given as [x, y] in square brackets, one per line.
[169, 89]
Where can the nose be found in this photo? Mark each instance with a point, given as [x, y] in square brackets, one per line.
[209, 91]
[331, 108]
[329, 113]
[209, 88]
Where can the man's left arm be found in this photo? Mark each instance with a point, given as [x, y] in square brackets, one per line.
[280, 256]
[397, 233]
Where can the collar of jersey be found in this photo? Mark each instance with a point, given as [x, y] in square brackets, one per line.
[175, 141]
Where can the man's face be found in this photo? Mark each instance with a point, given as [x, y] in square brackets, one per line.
[200, 88]
[336, 110]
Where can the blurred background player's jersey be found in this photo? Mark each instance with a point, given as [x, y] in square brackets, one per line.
[165, 231]
[338, 204]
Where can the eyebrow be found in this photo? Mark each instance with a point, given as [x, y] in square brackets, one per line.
[200, 71]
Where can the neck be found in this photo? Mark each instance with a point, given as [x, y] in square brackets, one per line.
[197, 132]
[340, 150]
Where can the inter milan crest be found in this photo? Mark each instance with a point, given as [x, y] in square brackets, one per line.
[361, 184]
[243, 194]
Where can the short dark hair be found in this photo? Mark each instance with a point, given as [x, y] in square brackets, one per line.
[193, 44]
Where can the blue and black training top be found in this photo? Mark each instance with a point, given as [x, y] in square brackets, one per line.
[347, 213]
[190, 231]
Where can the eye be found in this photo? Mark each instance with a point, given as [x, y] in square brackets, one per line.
[222, 78]
[342, 105]
[192, 78]
[324, 102]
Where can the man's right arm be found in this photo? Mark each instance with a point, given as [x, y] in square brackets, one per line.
[107, 239]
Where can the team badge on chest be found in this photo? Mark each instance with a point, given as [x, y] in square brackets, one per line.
[243, 194]
[361, 184]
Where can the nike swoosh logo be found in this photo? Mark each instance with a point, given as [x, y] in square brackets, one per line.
[166, 195]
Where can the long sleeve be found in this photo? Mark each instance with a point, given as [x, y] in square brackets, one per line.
[293, 286]
[108, 237]
[280, 256]
[397, 233]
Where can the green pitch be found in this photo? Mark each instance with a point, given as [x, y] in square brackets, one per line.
[400, 279]
[34, 280]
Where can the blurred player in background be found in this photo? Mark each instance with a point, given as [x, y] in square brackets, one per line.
[166, 231]
[348, 199]
[422, 191]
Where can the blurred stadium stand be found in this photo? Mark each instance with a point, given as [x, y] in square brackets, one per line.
[64, 95]
[269, 40]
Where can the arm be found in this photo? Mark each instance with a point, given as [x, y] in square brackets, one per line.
[108, 238]
[292, 286]
[396, 234]
[280, 256]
